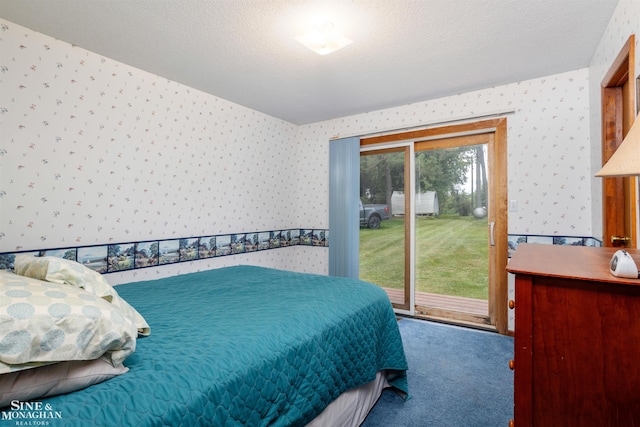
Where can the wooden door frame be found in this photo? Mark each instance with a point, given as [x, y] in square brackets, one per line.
[498, 214]
[618, 113]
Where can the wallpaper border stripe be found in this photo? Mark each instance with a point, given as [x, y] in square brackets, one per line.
[516, 239]
[118, 257]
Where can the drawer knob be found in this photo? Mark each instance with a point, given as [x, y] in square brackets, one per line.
[512, 364]
[512, 304]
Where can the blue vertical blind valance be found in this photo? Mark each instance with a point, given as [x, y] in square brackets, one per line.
[344, 193]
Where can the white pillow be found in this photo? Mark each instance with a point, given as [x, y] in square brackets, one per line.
[64, 271]
[44, 322]
[51, 380]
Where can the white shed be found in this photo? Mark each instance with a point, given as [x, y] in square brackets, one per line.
[426, 203]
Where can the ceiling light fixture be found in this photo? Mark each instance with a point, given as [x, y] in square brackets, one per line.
[323, 39]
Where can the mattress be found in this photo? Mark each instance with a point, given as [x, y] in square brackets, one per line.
[244, 346]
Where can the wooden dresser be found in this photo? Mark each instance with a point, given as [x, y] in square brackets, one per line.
[577, 338]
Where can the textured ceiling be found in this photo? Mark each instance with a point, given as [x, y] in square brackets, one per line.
[404, 51]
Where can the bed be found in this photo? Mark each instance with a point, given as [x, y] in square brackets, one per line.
[246, 346]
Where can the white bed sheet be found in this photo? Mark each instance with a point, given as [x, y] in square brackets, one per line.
[351, 407]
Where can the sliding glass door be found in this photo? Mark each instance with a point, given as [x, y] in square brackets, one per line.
[451, 238]
[383, 231]
[443, 251]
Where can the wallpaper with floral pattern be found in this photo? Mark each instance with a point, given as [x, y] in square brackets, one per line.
[95, 152]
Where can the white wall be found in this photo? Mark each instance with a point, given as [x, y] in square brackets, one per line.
[548, 148]
[93, 151]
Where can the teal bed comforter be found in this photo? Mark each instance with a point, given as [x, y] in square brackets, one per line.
[243, 346]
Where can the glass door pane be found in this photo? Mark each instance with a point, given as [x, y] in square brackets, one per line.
[452, 248]
[383, 242]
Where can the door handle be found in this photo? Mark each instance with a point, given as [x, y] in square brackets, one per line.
[620, 240]
[492, 226]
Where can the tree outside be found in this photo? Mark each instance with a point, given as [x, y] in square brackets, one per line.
[459, 177]
[446, 171]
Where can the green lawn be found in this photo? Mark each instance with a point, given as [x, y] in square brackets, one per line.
[451, 255]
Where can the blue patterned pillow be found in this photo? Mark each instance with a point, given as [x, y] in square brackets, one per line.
[64, 271]
[43, 322]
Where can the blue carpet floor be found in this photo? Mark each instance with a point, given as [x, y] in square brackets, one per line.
[457, 377]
